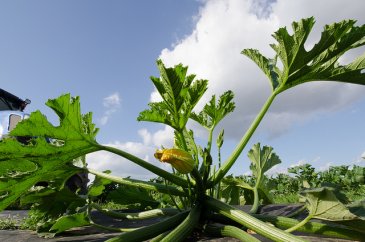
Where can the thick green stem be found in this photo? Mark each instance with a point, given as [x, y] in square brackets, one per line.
[205, 167]
[328, 229]
[113, 229]
[200, 189]
[137, 216]
[141, 184]
[148, 232]
[210, 138]
[186, 227]
[256, 200]
[222, 171]
[229, 231]
[158, 171]
[300, 224]
[195, 173]
[249, 221]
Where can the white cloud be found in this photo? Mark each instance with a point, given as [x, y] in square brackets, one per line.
[155, 96]
[163, 137]
[225, 27]
[111, 103]
[122, 167]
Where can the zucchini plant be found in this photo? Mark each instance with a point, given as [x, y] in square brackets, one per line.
[193, 184]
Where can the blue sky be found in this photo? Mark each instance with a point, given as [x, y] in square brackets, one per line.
[105, 52]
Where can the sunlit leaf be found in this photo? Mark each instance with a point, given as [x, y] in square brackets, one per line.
[180, 94]
[214, 112]
[318, 64]
[38, 160]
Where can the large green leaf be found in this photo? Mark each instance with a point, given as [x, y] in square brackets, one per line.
[132, 197]
[322, 203]
[318, 64]
[48, 153]
[180, 94]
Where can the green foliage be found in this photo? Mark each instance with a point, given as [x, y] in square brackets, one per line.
[262, 160]
[231, 191]
[213, 112]
[62, 201]
[8, 223]
[179, 93]
[319, 63]
[97, 188]
[132, 197]
[24, 165]
[322, 203]
[306, 175]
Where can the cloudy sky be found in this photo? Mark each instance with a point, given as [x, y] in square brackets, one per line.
[105, 52]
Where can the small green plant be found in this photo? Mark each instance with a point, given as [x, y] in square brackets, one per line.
[192, 187]
[8, 223]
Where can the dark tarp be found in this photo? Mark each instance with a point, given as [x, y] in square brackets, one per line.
[10, 102]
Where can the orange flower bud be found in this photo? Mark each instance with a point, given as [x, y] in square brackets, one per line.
[181, 160]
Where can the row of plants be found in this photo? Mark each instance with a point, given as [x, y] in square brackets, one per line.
[196, 190]
[281, 188]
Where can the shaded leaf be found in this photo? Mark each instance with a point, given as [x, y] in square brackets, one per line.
[322, 203]
[61, 201]
[231, 190]
[98, 185]
[358, 208]
[132, 197]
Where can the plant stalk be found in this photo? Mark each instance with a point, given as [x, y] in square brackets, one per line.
[141, 184]
[222, 171]
[250, 222]
[137, 216]
[256, 200]
[158, 171]
[300, 224]
[229, 231]
[148, 232]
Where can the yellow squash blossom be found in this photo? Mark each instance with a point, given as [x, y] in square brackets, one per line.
[181, 160]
